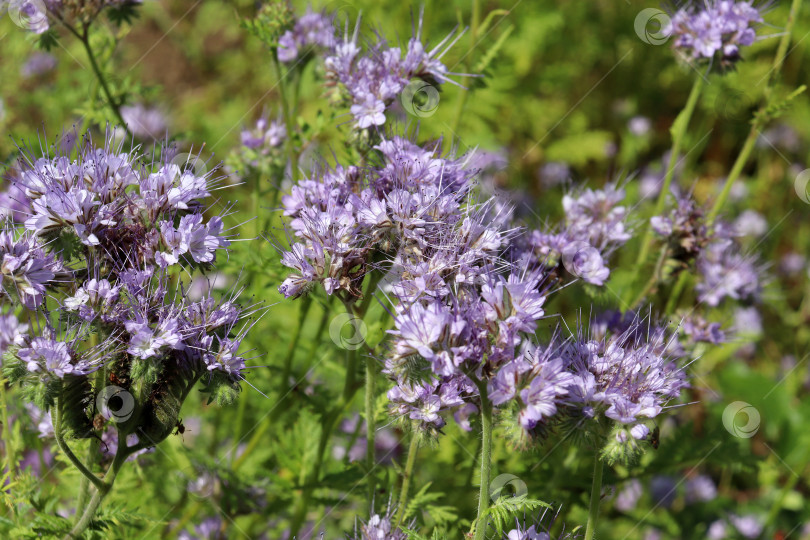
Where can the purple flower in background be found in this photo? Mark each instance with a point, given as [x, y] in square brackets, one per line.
[144, 122]
[37, 64]
[701, 488]
[311, 29]
[209, 529]
[628, 497]
[726, 273]
[748, 526]
[12, 332]
[264, 135]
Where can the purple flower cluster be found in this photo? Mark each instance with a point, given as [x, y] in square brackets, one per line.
[26, 269]
[38, 15]
[145, 122]
[113, 234]
[725, 272]
[703, 29]
[409, 207]
[684, 228]
[374, 78]
[127, 213]
[380, 527]
[310, 30]
[264, 135]
[594, 228]
[629, 375]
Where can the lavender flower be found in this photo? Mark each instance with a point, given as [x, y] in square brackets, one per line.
[628, 497]
[145, 122]
[12, 332]
[26, 269]
[264, 135]
[38, 64]
[311, 29]
[380, 528]
[701, 488]
[629, 376]
[716, 28]
[373, 80]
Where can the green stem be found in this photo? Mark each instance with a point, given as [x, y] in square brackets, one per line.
[97, 498]
[758, 121]
[288, 359]
[596, 497]
[675, 295]
[8, 436]
[677, 142]
[413, 449]
[84, 38]
[486, 460]
[736, 169]
[371, 428]
[654, 279]
[60, 442]
[292, 152]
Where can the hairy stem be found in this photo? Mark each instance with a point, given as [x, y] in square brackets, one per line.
[63, 446]
[292, 152]
[486, 461]
[8, 436]
[758, 121]
[371, 428]
[402, 502]
[596, 496]
[98, 496]
[84, 38]
[677, 142]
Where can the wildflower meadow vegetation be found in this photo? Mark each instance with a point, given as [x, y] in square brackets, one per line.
[385, 270]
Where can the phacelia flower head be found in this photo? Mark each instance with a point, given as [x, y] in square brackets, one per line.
[628, 376]
[714, 29]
